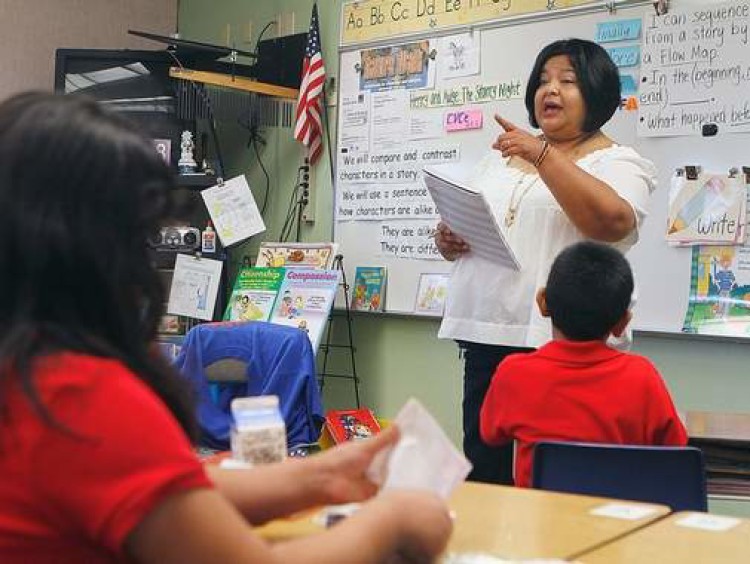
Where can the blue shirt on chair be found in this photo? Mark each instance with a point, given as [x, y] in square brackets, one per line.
[279, 361]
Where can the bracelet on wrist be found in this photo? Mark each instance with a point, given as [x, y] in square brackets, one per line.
[545, 149]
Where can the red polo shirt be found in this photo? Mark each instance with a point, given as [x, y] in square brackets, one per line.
[75, 497]
[577, 391]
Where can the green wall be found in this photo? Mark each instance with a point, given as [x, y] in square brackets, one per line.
[396, 357]
[401, 357]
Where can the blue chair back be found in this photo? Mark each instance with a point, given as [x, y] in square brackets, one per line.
[673, 476]
[260, 359]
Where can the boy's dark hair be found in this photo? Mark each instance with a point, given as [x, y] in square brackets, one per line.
[598, 79]
[81, 191]
[589, 289]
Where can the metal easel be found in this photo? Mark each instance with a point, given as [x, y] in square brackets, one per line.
[338, 264]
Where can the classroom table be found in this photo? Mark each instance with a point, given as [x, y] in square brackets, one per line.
[512, 522]
[667, 542]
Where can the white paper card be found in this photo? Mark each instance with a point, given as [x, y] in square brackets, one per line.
[424, 457]
[623, 511]
[706, 522]
[195, 285]
[233, 211]
[459, 55]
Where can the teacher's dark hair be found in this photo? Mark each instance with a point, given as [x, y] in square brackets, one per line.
[589, 289]
[80, 192]
[598, 79]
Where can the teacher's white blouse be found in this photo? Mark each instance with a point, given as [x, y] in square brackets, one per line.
[488, 303]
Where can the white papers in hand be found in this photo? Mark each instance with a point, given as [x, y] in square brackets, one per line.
[424, 458]
[469, 216]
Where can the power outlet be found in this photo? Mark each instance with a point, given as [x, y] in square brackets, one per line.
[308, 211]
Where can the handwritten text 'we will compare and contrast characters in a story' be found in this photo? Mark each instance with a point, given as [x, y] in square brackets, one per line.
[387, 187]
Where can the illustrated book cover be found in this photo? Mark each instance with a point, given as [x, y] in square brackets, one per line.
[431, 293]
[351, 424]
[368, 291]
[254, 294]
[297, 255]
[305, 299]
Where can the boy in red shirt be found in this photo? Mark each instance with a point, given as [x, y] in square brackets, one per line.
[576, 388]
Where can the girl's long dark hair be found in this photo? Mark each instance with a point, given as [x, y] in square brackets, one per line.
[80, 192]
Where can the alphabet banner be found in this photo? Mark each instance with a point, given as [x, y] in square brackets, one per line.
[372, 20]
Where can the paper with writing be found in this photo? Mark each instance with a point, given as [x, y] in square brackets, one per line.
[233, 211]
[468, 214]
[195, 285]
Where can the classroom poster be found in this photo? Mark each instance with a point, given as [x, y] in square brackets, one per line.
[459, 55]
[195, 285]
[719, 291]
[373, 20]
[707, 210]
[233, 210]
[296, 255]
[398, 66]
[694, 69]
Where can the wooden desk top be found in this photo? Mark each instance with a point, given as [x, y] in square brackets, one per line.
[666, 542]
[718, 426]
[514, 522]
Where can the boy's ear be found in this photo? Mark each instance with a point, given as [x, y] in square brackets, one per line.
[541, 302]
[619, 328]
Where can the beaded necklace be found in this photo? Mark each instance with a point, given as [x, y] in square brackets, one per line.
[514, 204]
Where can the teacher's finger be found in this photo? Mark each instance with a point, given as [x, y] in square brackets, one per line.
[504, 123]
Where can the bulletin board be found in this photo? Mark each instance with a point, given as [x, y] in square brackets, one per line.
[679, 70]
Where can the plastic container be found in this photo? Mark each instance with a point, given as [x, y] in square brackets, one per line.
[259, 432]
[208, 239]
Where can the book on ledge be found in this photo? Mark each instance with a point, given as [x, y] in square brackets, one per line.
[368, 289]
[351, 424]
[468, 214]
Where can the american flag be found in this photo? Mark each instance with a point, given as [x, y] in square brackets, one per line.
[308, 126]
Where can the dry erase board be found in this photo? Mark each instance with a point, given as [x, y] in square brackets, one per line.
[389, 126]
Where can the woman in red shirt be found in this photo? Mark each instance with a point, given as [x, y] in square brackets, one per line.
[95, 430]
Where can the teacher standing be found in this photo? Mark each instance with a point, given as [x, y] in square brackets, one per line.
[547, 191]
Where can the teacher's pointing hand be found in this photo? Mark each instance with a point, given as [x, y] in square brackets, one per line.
[516, 142]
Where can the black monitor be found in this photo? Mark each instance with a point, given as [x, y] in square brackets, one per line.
[134, 83]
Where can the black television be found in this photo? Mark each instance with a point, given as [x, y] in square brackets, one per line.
[134, 83]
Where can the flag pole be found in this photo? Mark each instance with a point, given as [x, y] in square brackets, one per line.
[327, 123]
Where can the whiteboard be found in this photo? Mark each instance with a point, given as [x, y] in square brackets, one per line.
[507, 53]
